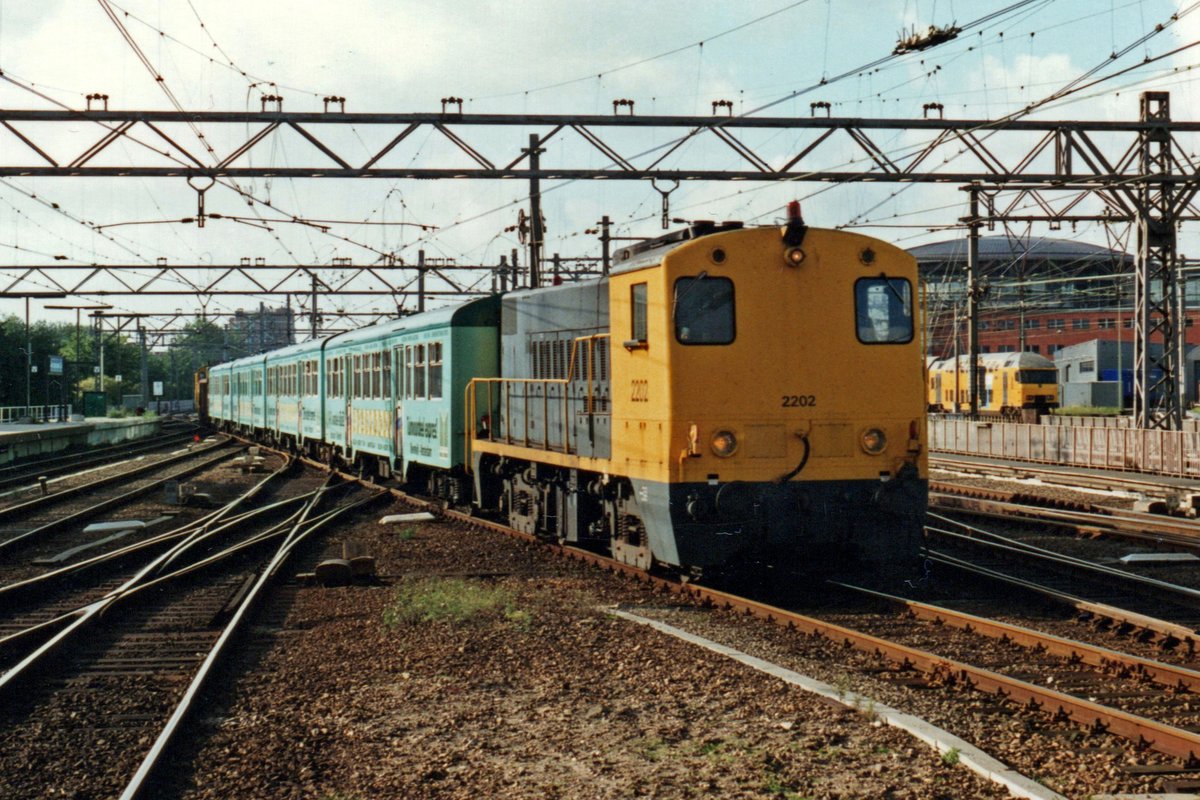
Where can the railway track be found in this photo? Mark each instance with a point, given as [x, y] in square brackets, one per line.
[1121, 482]
[129, 666]
[1166, 733]
[45, 515]
[29, 472]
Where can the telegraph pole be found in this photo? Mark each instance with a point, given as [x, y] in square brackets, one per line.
[535, 213]
[314, 322]
[145, 365]
[29, 357]
[974, 293]
[420, 280]
[605, 241]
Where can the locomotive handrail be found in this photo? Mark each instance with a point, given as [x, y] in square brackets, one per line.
[471, 395]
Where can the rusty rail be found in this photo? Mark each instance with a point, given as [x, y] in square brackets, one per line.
[1158, 736]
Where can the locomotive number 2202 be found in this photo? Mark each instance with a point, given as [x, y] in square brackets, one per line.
[799, 400]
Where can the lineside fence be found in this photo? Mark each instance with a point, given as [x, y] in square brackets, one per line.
[11, 414]
[1121, 448]
[1189, 424]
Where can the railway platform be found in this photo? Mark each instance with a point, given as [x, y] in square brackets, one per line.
[19, 441]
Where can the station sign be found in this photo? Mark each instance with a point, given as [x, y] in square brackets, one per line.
[56, 365]
[158, 388]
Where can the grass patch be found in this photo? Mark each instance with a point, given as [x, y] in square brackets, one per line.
[652, 748]
[722, 750]
[453, 600]
[408, 534]
[950, 757]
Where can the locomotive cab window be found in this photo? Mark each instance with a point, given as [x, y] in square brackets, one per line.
[703, 310]
[1038, 375]
[883, 310]
[637, 302]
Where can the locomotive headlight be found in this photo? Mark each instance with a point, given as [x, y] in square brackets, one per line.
[873, 441]
[793, 256]
[724, 443]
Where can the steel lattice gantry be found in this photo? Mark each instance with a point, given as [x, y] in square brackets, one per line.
[1137, 171]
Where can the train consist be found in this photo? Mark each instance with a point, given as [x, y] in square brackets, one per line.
[1016, 386]
[725, 394]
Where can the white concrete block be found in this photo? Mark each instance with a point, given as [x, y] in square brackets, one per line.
[419, 516]
[122, 525]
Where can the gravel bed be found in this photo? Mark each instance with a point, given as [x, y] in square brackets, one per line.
[84, 733]
[221, 482]
[1101, 550]
[1061, 757]
[547, 697]
[1049, 491]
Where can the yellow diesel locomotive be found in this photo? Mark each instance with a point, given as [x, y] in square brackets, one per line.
[1014, 385]
[706, 403]
[702, 406]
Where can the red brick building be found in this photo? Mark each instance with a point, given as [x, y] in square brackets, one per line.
[1041, 295]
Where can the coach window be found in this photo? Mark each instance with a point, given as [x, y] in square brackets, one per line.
[357, 384]
[435, 369]
[883, 310]
[376, 372]
[419, 371]
[703, 310]
[387, 374]
[639, 332]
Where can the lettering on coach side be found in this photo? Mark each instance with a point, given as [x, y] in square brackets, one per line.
[424, 430]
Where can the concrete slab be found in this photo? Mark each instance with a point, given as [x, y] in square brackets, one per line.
[118, 525]
[21, 441]
[419, 516]
[1158, 558]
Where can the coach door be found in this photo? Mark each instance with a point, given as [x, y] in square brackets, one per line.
[399, 365]
[351, 377]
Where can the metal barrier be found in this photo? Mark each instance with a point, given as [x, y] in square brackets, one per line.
[1128, 449]
[12, 414]
[1189, 424]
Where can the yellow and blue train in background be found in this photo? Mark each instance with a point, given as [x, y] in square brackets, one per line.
[725, 394]
[1015, 386]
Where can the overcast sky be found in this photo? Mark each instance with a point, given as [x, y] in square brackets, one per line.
[512, 57]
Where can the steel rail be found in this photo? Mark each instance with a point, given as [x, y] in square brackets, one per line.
[55, 623]
[1168, 632]
[298, 533]
[21, 509]
[113, 502]
[158, 539]
[1060, 477]
[1124, 524]
[85, 615]
[1158, 672]
[34, 465]
[77, 462]
[1158, 736]
[1184, 594]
